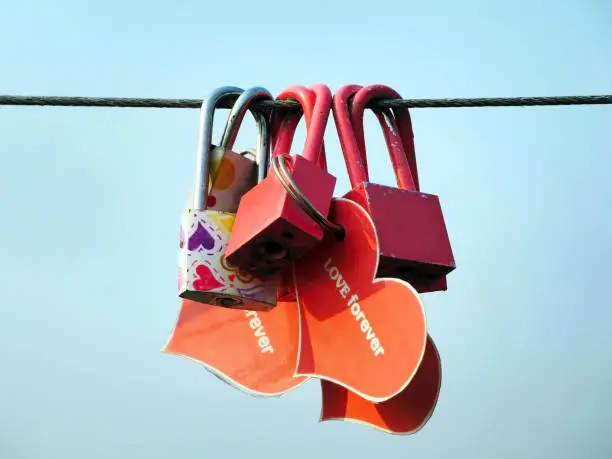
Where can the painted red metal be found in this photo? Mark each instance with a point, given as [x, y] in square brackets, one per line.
[271, 230]
[412, 235]
[286, 288]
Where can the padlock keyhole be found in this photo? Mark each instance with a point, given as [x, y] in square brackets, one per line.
[228, 302]
[273, 250]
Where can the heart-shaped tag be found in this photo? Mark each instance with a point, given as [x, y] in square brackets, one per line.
[365, 334]
[255, 351]
[406, 413]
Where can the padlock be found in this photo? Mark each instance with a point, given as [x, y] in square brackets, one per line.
[272, 229]
[284, 129]
[404, 129]
[205, 275]
[412, 236]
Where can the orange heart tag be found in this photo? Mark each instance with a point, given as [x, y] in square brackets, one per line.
[255, 351]
[365, 334]
[406, 413]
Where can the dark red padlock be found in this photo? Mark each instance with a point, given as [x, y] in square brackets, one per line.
[271, 230]
[412, 236]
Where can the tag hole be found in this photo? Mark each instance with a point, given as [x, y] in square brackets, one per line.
[288, 235]
[340, 234]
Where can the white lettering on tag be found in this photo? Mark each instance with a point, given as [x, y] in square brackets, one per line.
[263, 341]
[343, 289]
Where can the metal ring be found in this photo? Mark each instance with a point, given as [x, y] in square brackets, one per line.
[249, 152]
[284, 177]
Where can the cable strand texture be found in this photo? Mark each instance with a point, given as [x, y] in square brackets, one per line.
[130, 102]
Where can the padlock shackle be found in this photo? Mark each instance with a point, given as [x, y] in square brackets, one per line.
[243, 103]
[316, 105]
[205, 130]
[287, 131]
[354, 157]
[283, 126]
[263, 153]
[399, 135]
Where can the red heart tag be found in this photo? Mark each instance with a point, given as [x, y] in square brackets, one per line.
[255, 351]
[365, 334]
[406, 413]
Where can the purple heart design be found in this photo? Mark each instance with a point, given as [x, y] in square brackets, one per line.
[251, 293]
[200, 238]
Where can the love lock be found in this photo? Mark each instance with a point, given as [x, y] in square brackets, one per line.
[412, 236]
[205, 275]
[284, 131]
[271, 228]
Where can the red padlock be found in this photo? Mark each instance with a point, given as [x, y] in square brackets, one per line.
[284, 131]
[271, 229]
[414, 243]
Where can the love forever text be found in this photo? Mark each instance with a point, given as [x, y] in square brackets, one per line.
[352, 302]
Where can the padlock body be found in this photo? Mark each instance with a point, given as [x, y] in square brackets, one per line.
[271, 229]
[413, 241]
[205, 275]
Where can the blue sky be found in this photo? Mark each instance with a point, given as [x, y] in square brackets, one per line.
[91, 199]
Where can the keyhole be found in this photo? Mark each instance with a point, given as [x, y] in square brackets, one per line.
[273, 250]
[228, 302]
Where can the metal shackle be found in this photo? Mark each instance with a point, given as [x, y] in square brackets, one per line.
[398, 133]
[205, 130]
[243, 103]
[395, 146]
[316, 104]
